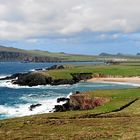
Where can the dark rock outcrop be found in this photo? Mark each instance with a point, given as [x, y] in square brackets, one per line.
[54, 67]
[81, 76]
[63, 82]
[32, 79]
[77, 92]
[58, 108]
[39, 69]
[34, 106]
[35, 79]
[63, 99]
[62, 108]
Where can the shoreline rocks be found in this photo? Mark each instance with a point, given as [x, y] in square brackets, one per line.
[32, 79]
[37, 78]
[62, 99]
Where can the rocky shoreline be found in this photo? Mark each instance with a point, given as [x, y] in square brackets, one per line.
[37, 78]
[76, 101]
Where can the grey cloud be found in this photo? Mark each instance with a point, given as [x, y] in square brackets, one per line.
[20, 19]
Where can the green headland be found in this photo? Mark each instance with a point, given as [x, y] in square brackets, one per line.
[117, 118]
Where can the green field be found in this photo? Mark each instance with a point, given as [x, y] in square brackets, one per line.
[122, 70]
[117, 119]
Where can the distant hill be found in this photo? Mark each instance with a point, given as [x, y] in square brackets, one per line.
[108, 54]
[105, 54]
[14, 54]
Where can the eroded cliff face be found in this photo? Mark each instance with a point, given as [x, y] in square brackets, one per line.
[83, 101]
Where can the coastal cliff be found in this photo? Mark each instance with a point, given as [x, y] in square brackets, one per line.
[80, 101]
[84, 102]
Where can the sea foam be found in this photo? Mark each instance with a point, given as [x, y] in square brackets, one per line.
[4, 76]
[19, 110]
[9, 84]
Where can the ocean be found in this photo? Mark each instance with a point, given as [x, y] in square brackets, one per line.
[15, 100]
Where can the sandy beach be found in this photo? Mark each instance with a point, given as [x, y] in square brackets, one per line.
[131, 80]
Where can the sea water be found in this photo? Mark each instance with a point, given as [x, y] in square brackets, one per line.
[15, 100]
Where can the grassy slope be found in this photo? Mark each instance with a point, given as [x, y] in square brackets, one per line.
[81, 124]
[114, 70]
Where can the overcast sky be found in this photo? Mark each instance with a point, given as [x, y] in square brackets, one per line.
[75, 26]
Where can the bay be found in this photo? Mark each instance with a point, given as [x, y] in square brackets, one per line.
[15, 100]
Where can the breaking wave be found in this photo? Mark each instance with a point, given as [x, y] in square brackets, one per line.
[20, 110]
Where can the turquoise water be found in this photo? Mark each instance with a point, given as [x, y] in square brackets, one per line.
[15, 100]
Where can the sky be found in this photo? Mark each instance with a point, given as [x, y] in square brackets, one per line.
[75, 26]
